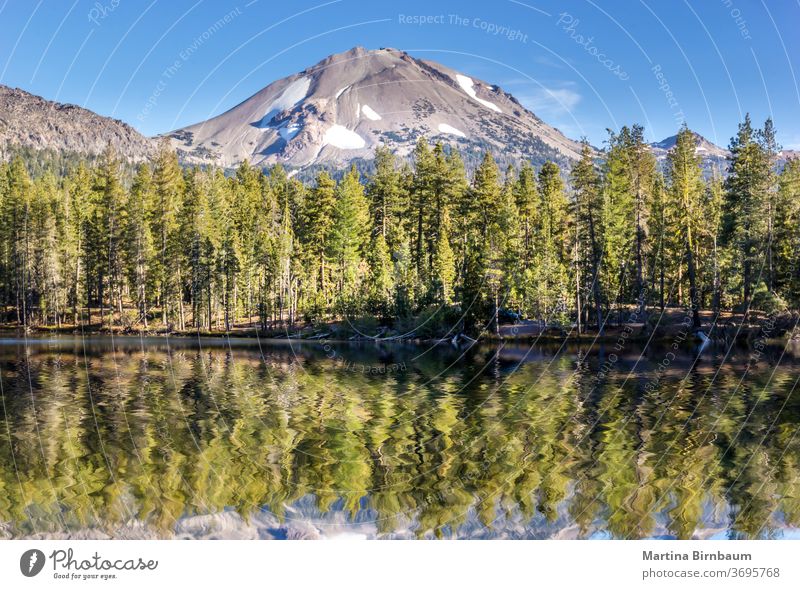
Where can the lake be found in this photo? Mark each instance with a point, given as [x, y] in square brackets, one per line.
[217, 438]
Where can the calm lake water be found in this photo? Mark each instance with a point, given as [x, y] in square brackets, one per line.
[216, 439]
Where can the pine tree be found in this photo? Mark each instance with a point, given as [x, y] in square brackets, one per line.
[744, 223]
[46, 276]
[618, 216]
[140, 248]
[349, 238]
[422, 194]
[686, 191]
[17, 239]
[386, 195]
[642, 169]
[168, 187]
[209, 249]
[661, 234]
[318, 219]
[710, 230]
[587, 213]
[551, 248]
[786, 240]
[107, 226]
[197, 255]
[381, 279]
[248, 194]
[527, 199]
[526, 194]
[78, 190]
[483, 267]
[770, 147]
[444, 271]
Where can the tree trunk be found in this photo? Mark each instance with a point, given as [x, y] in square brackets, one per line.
[497, 312]
[596, 278]
[577, 285]
[692, 281]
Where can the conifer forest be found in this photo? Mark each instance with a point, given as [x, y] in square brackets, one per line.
[416, 245]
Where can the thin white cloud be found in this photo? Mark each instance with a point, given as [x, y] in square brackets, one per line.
[555, 102]
[548, 62]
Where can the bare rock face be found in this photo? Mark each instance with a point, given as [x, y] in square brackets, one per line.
[27, 120]
[342, 108]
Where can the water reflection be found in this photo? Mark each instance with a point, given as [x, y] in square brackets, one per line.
[230, 439]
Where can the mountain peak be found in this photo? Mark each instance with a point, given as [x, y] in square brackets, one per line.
[705, 148]
[342, 108]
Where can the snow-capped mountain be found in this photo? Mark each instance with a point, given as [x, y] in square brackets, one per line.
[346, 105]
[713, 156]
[333, 113]
[29, 121]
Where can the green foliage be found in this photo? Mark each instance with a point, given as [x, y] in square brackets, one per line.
[171, 249]
[745, 220]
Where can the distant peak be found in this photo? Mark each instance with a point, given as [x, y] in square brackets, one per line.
[360, 51]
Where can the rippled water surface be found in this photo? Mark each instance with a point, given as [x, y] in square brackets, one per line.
[209, 438]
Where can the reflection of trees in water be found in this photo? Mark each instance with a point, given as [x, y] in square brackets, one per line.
[157, 436]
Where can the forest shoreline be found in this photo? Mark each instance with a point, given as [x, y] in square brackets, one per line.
[672, 327]
[413, 251]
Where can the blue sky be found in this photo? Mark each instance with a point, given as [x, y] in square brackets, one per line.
[581, 65]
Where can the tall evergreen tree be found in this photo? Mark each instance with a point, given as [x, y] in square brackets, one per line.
[587, 213]
[744, 222]
[17, 239]
[618, 219]
[349, 238]
[786, 234]
[386, 195]
[686, 192]
[551, 240]
[78, 188]
[318, 219]
[168, 188]
[140, 246]
[107, 230]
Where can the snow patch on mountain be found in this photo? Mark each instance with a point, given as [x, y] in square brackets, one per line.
[445, 128]
[343, 138]
[287, 132]
[356, 101]
[467, 84]
[294, 93]
[369, 113]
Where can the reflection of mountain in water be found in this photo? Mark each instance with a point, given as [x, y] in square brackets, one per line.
[285, 442]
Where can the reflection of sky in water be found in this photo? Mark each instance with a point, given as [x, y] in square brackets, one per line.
[305, 522]
[241, 440]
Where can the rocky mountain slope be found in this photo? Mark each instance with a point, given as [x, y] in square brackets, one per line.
[713, 156]
[343, 107]
[27, 120]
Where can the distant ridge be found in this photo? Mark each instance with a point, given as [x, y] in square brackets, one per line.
[30, 121]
